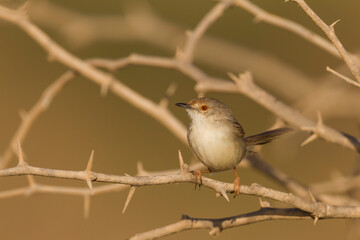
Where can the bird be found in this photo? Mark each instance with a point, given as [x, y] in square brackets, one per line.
[217, 138]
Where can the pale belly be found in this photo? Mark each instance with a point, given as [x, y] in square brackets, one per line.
[217, 149]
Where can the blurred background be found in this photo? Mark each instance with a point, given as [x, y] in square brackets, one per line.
[80, 119]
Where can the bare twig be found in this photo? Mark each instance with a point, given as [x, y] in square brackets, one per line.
[193, 37]
[28, 118]
[263, 16]
[346, 79]
[246, 86]
[330, 33]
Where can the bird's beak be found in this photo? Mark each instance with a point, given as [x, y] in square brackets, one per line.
[183, 105]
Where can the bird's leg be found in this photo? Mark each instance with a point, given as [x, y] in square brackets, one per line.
[198, 177]
[236, 183]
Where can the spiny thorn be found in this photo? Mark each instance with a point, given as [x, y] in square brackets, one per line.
[89, 183]
[90, 162]
[311, 196]
[86, 206]
[31, 180]
[22, 114]
[246, 76]
[215, 232]
[333, 24]
[129, 197]
[264, 204]
[105, 86]
[201, 94]
[20, 154]
[311, 138]
[315, 220]
[320, 119]
[233, 77]
[140, 169]
[170, 91]
[181, 162]
[179, 53]
[258, 19]
[223, 193]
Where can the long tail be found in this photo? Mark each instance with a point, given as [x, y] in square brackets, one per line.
[265, 137]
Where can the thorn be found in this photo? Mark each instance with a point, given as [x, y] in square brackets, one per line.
[104, 89]
[89, 183]
[86, 206]
[179, 53]
[215, 232]
[51, 57]
[233, 77]
[181, 162]
[31, 180]
[129, 197]
[201, 94]
[188, 33]
[311, 138]
[223, 193]
[23, 8]
[90, 162]
[22, 114]
[311, 196]
[258, 19]
[170, 91]
[88, 173]
[246, 76]
[140, 169]
[320, 119]
[264, 204]
[315, 220]
[20, 155]
[333, 24]
[128, 175]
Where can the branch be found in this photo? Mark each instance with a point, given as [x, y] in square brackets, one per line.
[330, 33]
[106, 81]
[217, 225]
[247, 87]
[193, 37]
[317, 209]
[263, 16]
[28, 118]
[346, 79]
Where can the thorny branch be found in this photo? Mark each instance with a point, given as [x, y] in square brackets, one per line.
[316, 209]
[305, 208]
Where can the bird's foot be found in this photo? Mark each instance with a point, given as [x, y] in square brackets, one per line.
[198, 178]
[236, 187]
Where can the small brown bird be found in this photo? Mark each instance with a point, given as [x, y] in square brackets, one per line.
[217, 139]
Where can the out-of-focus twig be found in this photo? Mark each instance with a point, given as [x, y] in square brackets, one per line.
[27, 118]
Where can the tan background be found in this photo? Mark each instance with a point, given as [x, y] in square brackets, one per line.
[80, 120]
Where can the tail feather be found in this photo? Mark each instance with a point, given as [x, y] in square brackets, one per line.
[265, 137]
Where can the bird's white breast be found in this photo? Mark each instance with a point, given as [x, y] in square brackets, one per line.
[216, 144]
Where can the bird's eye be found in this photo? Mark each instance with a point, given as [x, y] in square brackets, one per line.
[204, 107]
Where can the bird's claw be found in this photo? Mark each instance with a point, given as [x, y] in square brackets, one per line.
[236, 186]
[198, 178]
